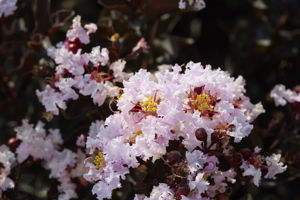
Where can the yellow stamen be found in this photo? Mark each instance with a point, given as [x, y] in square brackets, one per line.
[135, 134]
[99, 161]
[201, 102]
[121, 96]
[149, 105]
[114, 37]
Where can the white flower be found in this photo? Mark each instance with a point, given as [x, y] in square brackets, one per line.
[33, 142]
[161, 192]
[199, 184]
[281, 95]
[275, 166]
[91, 28]
[181, 4]
[7, 158]
[199, 4]
[99, 57]
[250, 170]
[7, 7]
[196, 160]
[80, 141]
[51, 100]
[117, 67]
[77, 31]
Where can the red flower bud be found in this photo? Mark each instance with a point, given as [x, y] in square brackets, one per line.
[13, 143]
[201, 134]
[173, 157]
[215, 137]
[75, 45]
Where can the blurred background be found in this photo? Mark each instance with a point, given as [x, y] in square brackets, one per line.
[259, 40]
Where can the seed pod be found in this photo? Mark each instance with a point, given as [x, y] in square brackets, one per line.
[201, 134]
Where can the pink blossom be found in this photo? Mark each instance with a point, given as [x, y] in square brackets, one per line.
[51, 100]
[141, 46]
[33, 142]
[250, 170]
[118, 67]
[199, 4]
[7, 158]
[281, 95]
[182, 4]
[77, 31]
[90, 28]
[80, 141]
[7, 7]
[198, 185]
[161, 192]
[99, 56]
[275, 166]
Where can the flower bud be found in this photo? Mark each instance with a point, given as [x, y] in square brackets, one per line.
[13, 143]
[173, 157]
[201, 134]
[214, 137]
[75, 45]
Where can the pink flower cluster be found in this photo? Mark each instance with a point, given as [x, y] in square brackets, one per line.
[80, 71]
[7, 158]
[63, 165]
[194, 4]
[7, 7]
[281, 95]
[202, 108]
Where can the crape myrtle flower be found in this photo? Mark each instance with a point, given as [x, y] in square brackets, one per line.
[160, 192]
[7, 158]
[256, 164]
[44, 146]
[195, 5]
[281, 95]
[201, 107]
[274, 166]
[7, 7]
[78, 71]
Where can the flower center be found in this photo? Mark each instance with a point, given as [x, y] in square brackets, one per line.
[202, 101]
[99, 161]
[149, 105]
